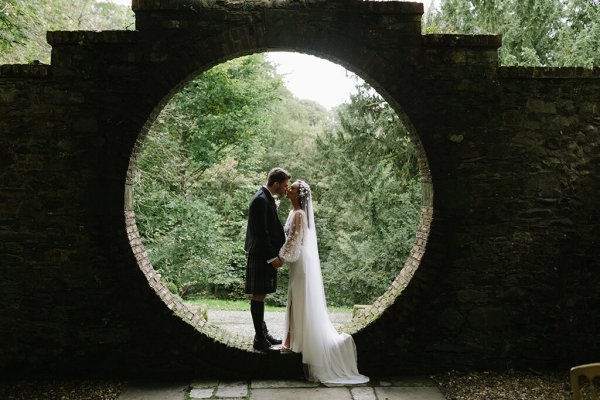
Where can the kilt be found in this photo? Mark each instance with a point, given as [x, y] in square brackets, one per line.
[261, 277]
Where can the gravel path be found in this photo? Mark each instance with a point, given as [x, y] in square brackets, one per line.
[240, 322]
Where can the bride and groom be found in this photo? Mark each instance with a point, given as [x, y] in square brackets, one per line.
[329, 356]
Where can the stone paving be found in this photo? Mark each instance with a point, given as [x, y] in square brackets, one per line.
[398, 388]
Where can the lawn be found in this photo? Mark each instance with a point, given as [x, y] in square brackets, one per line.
[244, 305]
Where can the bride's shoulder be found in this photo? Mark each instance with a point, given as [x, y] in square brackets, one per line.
[298, 213]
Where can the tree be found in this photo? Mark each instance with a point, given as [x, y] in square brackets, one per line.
[23, 24]
[190, 183]
[534, 32]
[11, 31]
[579, 38]
[368, 199]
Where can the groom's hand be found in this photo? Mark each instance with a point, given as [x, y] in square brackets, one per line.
[277, 263]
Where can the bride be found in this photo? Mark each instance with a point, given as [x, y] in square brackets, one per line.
[329, 355]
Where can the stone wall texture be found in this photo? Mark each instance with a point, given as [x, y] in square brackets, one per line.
[505, 272]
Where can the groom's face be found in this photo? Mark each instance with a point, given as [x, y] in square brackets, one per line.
[282, 189]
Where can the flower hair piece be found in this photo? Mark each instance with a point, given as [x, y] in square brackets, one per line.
[303, 189]
[304, 195]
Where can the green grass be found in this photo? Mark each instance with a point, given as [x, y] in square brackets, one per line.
[244, 305]
[230, 305]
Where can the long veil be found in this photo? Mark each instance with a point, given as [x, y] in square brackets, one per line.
[331, 357]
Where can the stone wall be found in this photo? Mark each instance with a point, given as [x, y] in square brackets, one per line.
[504, 272]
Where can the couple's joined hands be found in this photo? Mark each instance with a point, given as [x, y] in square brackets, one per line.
[277, 263]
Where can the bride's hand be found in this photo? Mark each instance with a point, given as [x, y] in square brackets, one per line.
[277, 263]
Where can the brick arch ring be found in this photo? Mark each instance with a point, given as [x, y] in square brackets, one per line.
[174, 64]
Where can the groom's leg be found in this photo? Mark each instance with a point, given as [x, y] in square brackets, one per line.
[257, 309]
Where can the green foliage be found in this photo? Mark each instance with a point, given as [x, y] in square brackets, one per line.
[368, 199]
[191, 193]
[12, 31]
[23, 24]
[222, 113]
[172, 287]
[534, 32]
[296, 125]
[244, 305]
[580, 37]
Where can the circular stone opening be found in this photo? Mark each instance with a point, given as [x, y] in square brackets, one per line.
[208, 147]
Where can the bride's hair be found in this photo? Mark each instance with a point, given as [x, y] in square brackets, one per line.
[304, 193]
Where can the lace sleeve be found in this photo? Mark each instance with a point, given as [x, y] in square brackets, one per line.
[293, 244]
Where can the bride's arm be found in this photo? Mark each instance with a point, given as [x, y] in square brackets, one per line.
[293, 244]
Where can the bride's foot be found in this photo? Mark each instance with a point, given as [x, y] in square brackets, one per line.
[283, 349]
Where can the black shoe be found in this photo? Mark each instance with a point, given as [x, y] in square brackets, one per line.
[272, 340]
[268, 336]
[262, 344]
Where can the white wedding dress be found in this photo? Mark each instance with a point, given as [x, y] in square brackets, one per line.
[330, 356]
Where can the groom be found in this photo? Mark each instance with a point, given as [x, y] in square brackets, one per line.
[264, 238]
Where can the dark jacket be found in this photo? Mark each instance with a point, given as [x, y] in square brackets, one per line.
[264, 234]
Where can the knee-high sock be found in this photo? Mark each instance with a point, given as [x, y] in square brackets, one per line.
[257, 309]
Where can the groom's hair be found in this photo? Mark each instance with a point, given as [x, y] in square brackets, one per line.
[277, 174]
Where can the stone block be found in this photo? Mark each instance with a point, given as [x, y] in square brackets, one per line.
[201, 393]
[280, 384]
[232, 390]
[363, 393]
[302, 393]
